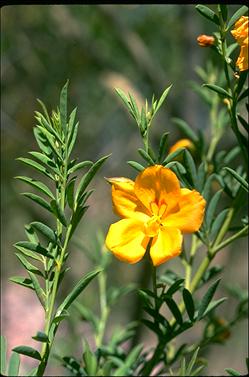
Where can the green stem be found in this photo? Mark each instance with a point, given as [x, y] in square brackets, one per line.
[230, 239]
[154, 281]
[104, 310]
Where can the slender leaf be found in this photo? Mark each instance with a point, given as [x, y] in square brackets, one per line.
[36, 166]
[70, 193]
[42, 141]
[174, 287]
[39, 291]
[41, 337]
[163, 97]
[217, 223]
[218, 90]
[129, 362]
[174, 309]
[133, 105]
[14, 364]
[136, 165]
[240, 12]
[37, 184]
[90, 360]
[25, 282]
[162, 146]
[63, 107]
[28, 351]
[45, 230]
[72, 138]
[232, 372]
[78, 288]
[213, 304]
[177, 167]
[56, 208]
[244, 123]
[186, 129]
[86, 179]
[207, 299]
[189, 303]
[146, 156]
[77, 216]
[172, 156]
[37, 199]
[28, 266]
[190, 166]
[207, 13]
[223, 9]
[238, 178]
[80, 165]
[210, 212]
[33, 247]
[192, 363]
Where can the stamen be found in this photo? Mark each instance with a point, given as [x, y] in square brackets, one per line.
[162, 209]
[154, 208]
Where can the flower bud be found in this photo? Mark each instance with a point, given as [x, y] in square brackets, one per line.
[205, 40]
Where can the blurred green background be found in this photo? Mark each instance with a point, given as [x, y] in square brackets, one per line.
[138, 48]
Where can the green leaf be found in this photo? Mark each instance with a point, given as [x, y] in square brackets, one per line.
[232, 372]
[162, 146]
[162, 98]
[207, 299]
[192, 363]
[56, 208]
[231, 48]
[238, 178]
[218, 90]
[63, 107]
[14, 364]
[72, 138]
[3, 354]
[143, 122]
[37, 199]
[190, 166]
[33, 247]
[136, 165]
[87, 314]
[51, 142]
[213, 304]
[244, 123]
[45, 124]
[207, 13]
[240, 12]
[133, 106]
[45, 230]
[146, 156]
[28, 351]
[25, 282]
[123, 370]
[177, 167]
[223, 9]
[39, 291]
[78, 288]
[174, 287]
[90, 360]
[124, 98]
[44, 110]
[80, 165]
[189, 303]
[174, 309]
[28, 266]
[186, 129]
[37, 184]
[41, 337]
[217, 223]
[86, 179]
[173, 155]
[77, 216]
[36, 166]
[42, 141]
[70, 193]
[210, 212]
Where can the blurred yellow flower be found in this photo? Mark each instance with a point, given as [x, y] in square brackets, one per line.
[182, 143]
[240, 33]
[205, 40]
[153, 207]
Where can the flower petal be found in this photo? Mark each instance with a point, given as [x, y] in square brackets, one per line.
[156, 185]
[189, 216]
[125, 202]
[127, 240]
[166, 245]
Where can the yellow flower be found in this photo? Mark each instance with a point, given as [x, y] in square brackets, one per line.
[182, 143]
[205, 40]
[153, 207]
[240, 33]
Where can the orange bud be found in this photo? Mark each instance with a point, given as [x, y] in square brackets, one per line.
[182, 143]
[205, 40]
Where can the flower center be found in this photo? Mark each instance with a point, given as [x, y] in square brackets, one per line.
[158, 210]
